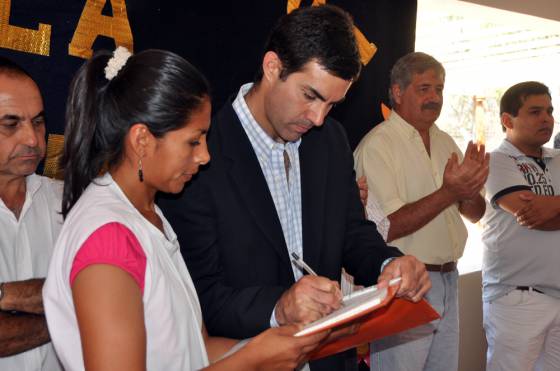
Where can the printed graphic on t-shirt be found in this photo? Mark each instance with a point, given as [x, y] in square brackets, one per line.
[536, 177]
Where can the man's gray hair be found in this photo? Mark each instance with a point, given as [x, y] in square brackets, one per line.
[410, 64]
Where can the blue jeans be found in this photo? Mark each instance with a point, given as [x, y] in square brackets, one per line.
[430, 347]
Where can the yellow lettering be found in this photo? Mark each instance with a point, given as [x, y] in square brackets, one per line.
[294, 4]
[367, 49]
[92, 24]
[55, 145]
[385, 111]
[23, 39]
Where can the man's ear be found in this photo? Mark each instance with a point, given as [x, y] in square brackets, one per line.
[397, 93]
[507, 120]
[272, 66]
[139, 138]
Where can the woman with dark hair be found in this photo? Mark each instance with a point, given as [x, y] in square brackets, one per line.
[118, 295]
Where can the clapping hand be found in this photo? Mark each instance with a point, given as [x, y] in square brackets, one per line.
[464, 181]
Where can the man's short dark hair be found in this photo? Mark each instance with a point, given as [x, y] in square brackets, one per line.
[324, 34]
[409, 65]
[10, 68]
[515, 96]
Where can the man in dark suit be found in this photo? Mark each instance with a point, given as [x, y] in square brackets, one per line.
[281, 181]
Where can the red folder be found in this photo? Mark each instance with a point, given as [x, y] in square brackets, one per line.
[392, 316]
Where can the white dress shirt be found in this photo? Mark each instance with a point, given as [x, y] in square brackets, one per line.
[26, 246]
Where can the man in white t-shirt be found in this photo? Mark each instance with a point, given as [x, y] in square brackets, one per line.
[29, 224]
[521, 284]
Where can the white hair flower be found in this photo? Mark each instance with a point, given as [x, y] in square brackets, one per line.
[120, 56]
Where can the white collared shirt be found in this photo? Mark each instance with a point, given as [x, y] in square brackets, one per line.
[26, 246]
[399, 171]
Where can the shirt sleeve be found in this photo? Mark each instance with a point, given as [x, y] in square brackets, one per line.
[504, 178]
[373, 160]
[113, 244]
[376, 215]
[273, 321]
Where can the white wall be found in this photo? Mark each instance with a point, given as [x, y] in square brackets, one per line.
[472, 342]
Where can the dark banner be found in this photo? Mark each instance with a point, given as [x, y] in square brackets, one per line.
[224, 39]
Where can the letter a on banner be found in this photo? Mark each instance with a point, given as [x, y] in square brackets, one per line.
[23, 39]
[92, 24]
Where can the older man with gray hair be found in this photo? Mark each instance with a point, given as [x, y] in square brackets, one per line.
[424, 185]
[30, 221]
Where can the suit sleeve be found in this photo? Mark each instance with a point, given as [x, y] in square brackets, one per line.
[364, 248]
[235, 312]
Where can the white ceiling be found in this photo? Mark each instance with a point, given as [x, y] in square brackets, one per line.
[549, 9]
[484, 46]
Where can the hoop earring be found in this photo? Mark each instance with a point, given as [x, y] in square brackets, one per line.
[140, 172]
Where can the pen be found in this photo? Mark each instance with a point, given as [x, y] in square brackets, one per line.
[301, 264]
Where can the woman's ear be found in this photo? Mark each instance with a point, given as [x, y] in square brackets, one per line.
[139, 138]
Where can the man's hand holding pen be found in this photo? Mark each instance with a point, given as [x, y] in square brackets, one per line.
[309, 299]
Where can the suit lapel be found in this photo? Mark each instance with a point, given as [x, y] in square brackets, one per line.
[250, 183]
[313, 157]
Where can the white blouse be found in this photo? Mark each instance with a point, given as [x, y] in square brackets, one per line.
[172, 313]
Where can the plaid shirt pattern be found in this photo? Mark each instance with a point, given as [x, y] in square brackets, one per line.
[285, 190]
